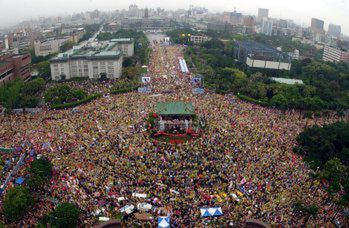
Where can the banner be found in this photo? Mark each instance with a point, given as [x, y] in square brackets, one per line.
[198, 91]
[211, 212]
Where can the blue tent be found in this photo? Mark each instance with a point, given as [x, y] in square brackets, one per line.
[164, 221]
[211, 212]
[20, 180]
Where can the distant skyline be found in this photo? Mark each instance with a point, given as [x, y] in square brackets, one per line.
[300, 11]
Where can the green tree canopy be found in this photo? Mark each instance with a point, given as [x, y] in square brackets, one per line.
[40, 172]
[61, 94]
[17, 202]
[20, 94]
[279, 101]
[65, 215]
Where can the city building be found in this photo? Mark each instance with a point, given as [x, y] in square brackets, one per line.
[333, 54]
[236, 18]
[76, 33]
[48, 47]
[146, 24]
[267, 26]
[197, 13]
[334, 30]
[12, 66]
[21, 39]
[294, 55]
[146, 13]
[125, 45]
[94, 61]
[199, 39]
[112, 27]
[317, 25]
[257, 55]
[262, 13]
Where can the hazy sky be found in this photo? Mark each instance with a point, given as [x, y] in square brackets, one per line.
[301, 11]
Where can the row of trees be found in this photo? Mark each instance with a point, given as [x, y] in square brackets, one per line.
[63, 93]
[20, 200]
[21, 94]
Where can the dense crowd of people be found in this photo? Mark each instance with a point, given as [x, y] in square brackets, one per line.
[243, 162]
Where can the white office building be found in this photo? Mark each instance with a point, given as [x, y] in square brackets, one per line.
[48, 47]
[199, 39]
[125, 45]
[94, 61]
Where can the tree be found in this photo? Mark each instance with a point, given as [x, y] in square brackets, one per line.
[67, 46]
[213, 44]
[279, 101]
[44, 68]
[20, 94]
[312, 212]
[334, 171]
[61, 94]
[33, 86]
[42, 167]
[131, 73]
[239, 77]
[17, 202]
[40, 173]
[305, 210]
[65, 215]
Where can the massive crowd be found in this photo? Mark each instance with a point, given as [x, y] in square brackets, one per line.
[243, 162]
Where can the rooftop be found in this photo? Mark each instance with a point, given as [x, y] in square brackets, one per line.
[174, 108]
[96, 50]
[122, 40]
[257, 50]
[288, 81]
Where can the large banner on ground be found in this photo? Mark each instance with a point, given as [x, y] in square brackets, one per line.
[144, 90]
[198, 91]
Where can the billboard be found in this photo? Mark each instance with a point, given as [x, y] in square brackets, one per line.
[197, 82]
[145, 80]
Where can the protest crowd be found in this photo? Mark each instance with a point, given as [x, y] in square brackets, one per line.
[102, 154]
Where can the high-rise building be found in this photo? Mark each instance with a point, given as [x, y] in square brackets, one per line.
[317, 25]
[334, 30]
[262, 13]
[146, 13]
[267, 27]
[236, 18]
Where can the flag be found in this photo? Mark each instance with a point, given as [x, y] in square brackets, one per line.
[164, 221]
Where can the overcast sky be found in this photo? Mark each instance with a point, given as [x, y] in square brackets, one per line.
[301, 11]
